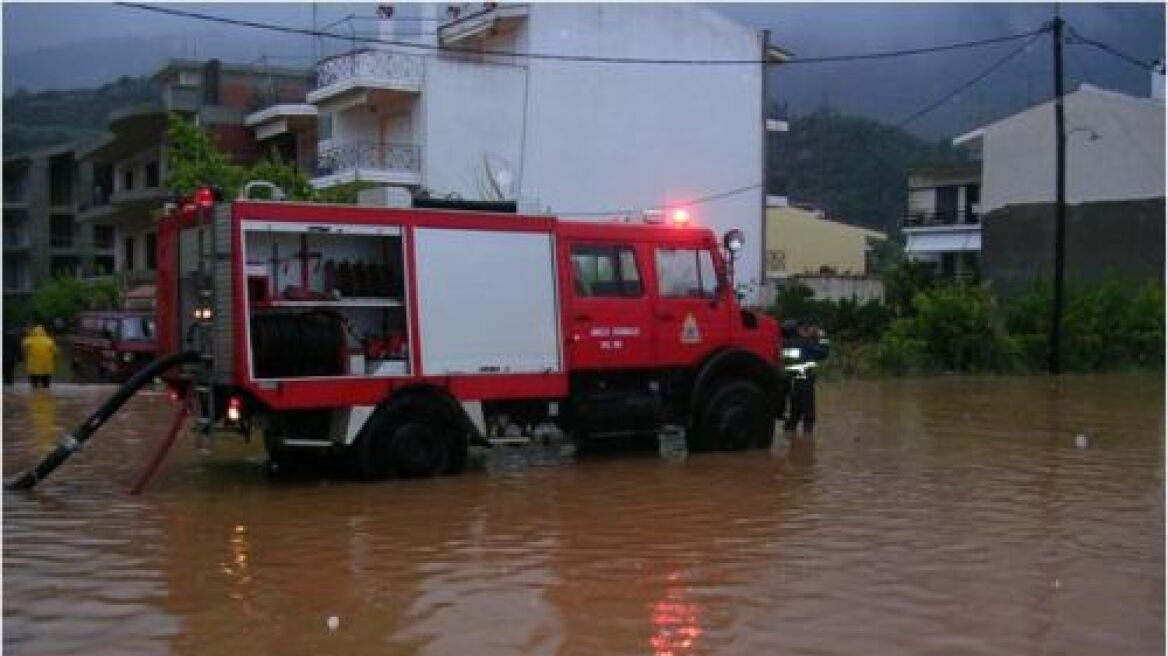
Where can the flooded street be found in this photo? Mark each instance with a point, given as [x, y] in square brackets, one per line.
[939, 516]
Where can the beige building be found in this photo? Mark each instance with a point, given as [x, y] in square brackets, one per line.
[801, 241]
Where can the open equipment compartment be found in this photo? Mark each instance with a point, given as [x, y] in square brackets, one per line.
[324, 300]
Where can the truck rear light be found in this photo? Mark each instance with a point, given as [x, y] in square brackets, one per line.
[234, 409]
[204, 197]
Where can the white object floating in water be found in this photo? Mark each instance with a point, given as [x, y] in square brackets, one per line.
[1080, 441]
[333, 622]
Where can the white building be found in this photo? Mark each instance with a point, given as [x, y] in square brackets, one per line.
[1114, 190]
[1114, 146]
[943, 222]
[1114, 155]
[567, 137]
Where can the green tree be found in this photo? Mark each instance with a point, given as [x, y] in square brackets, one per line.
[193, 161]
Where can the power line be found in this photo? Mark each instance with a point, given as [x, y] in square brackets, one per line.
[978, 78]
[688, 203]
[572, 58]
[1079, 38]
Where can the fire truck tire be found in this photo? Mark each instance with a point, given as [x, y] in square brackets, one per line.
[416, 440]
[736, 417]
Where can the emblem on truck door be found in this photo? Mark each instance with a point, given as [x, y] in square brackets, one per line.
[689, 330]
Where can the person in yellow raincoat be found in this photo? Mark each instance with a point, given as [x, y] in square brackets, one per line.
[40, 355]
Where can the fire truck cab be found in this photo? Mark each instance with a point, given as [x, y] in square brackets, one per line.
[395, 338]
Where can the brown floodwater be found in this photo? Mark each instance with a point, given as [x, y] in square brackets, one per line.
[940, 516]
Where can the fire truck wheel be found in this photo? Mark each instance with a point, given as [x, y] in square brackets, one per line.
[418, 440]
[737, 417]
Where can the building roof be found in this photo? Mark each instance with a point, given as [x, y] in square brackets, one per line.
[803, 213]
[973, 138]
[176, 65]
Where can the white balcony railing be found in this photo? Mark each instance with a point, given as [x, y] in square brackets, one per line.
[369, 155]
[386, 67]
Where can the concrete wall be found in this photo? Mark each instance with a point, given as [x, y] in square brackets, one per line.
[470, 114]
[800, 242]
[837, 288]
[602, 137]
[1102, 239]
[1115, 151]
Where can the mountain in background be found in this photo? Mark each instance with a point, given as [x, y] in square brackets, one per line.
[853, 167]
[36, 120]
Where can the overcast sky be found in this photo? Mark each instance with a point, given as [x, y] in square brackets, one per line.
[66, 45]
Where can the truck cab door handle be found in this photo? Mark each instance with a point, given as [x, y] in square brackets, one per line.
[666, 317]
[583, 317]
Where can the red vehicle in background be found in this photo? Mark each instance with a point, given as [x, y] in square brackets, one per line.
[109, 346]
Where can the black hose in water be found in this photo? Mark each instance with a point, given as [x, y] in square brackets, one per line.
[70, 443]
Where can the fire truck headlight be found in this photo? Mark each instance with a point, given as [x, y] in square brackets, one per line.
[734, 241]
[792, 353]
[203, 314]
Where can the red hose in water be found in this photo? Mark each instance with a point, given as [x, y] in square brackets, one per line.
[159, 454]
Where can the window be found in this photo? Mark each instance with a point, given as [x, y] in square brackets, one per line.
[61, 229]
[64, 265]
[103, 237]
[605, 271]
[685, 273]
[136, 329]
[128, 180]
[151, 251]
[152, 174]
[103, 265]
[128, 254]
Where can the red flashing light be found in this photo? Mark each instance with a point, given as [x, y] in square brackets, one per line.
[204, 198]
[680, 217]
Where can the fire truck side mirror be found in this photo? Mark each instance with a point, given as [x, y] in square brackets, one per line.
[734, 241]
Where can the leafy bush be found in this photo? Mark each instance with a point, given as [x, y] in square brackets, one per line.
[899, 351]
[1109, 325]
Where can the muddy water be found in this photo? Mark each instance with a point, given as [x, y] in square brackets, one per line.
[951, 516]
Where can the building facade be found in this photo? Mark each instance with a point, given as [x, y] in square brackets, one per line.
[804, 247]
[942, 224]
[1114, 190]
[123, 180]
[587, 139]
[42, 235]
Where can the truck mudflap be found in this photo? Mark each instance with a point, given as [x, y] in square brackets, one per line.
[797, 396]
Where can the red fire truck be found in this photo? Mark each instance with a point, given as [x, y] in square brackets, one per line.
[397, 337]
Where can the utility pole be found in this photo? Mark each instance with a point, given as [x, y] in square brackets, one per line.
[1060, 197]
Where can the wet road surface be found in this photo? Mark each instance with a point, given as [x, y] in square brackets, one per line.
[942, 516]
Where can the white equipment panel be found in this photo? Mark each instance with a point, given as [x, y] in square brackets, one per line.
[487, 302]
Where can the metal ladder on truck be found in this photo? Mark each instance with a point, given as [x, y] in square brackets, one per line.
[203, 371]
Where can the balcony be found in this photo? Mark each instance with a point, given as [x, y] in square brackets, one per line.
[382, 163]
[277, 118]
[468, 22]
[914, 219]
[362, 76]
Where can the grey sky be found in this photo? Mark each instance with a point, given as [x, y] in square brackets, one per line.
[44, 42]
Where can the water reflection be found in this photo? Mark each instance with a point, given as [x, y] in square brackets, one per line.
[945, 516]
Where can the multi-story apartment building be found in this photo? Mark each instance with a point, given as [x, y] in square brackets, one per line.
[124, 174]
[42, 235]
[942, 224]
[478, 112]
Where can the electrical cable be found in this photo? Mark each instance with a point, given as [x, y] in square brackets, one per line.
[1079, 38]
[967, 85]
[688, 203]
[575, 58]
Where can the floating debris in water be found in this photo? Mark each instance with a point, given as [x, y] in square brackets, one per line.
[1080, 441]
[333, 622]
